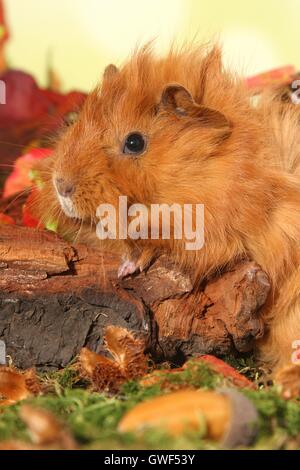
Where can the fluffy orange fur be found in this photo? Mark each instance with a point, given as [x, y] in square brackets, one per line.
[241, 161]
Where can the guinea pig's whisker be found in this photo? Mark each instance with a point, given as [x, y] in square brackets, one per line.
[78, 232]
[20, 194]
[13, 144]
[136, 245]
[7, 165]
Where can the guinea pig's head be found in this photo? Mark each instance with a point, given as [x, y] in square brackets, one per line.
[143, 133]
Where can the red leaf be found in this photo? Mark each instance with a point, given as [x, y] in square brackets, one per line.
[227, 371]
[19, 179]
[28, 220]
[5, 219]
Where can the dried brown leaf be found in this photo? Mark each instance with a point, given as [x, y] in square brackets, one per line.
[88, 360]
[128, 360]
[16, 386]
[32, 382]
[45, 429]
[17, 445]
[127, 351]
[108, 377]
[104, 373]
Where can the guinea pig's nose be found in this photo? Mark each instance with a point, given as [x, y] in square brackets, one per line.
[65, 188]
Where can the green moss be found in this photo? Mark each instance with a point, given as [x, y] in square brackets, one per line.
[199, 374]
[11, 426]
[93, 417]
[60, 380]
[275, 413]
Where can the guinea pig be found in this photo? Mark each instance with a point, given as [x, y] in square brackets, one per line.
[183, 130]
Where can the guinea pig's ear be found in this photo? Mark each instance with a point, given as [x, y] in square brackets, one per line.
[177, 99]
[110, 71]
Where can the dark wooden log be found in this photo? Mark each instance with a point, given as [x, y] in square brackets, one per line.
[56, 298]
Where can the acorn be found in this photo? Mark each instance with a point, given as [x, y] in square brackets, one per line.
[230, 418]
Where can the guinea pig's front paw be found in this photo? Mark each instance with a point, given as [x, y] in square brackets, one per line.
[136, 263]
[126, 268]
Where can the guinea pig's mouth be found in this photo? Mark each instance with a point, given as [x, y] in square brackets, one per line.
[67, 206]
[64, 193]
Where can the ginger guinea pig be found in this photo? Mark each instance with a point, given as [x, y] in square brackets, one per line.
[181, 130]
[151, 131]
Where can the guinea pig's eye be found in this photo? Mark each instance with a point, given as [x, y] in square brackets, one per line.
[134, 144]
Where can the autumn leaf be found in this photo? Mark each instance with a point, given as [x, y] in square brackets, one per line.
[6, 219]
[227, 371]
[127, 351]
[16, 386]
[17, 445]
[21, 177]
[28, 220]
[104, 373]
[45, 431]
[128, 360]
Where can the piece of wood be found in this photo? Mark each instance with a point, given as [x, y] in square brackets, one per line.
[56, 298]
[221, 318]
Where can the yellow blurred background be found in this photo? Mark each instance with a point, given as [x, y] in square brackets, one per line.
[81, 36]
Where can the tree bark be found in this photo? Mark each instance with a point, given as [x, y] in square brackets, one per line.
[56, 298]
